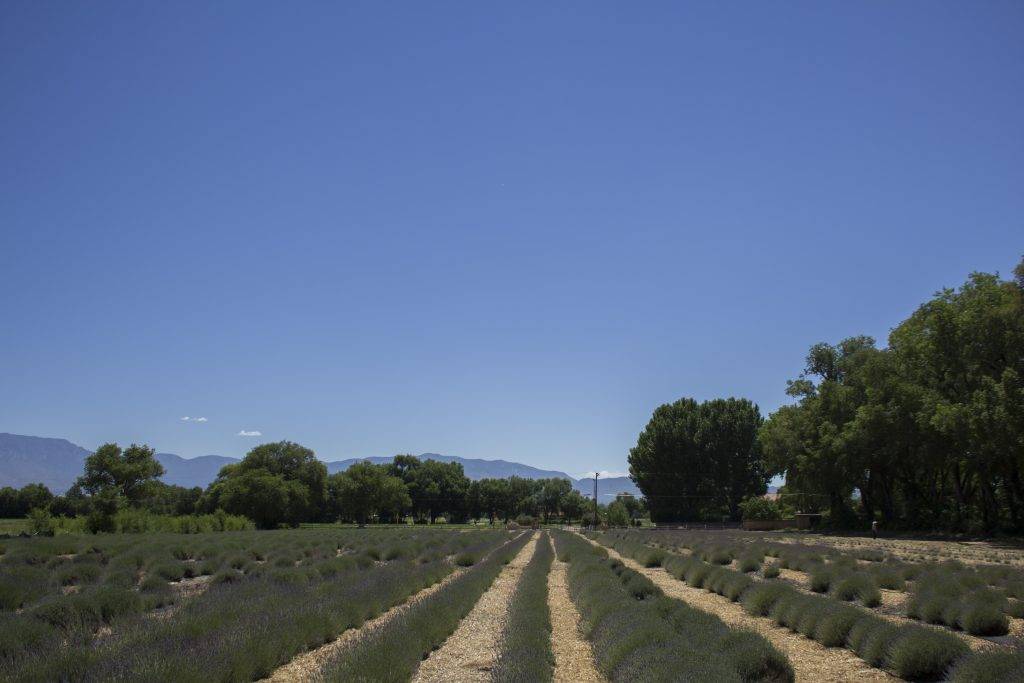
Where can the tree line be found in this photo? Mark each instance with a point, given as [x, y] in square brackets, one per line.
[284, 484]
[926, 433]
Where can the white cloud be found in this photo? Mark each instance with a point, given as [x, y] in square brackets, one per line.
[604, 474]
[193, 419]
[250, 433]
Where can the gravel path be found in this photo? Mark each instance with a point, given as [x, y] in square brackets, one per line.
[574, 660]
[812, 662]
[469, 653]
[304, 666]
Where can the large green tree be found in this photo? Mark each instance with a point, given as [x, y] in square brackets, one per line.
[276, 483]
[365, 490]
[435, 488]
[927, 433]
[129, 474]
[699, 460]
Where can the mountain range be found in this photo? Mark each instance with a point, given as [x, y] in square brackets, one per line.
[58, 462]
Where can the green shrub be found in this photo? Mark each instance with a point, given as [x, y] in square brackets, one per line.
[891, 578]
[770, 571]
[761, 597]
[922, 653]
[759, 507]
[858, 587]
[227, 576]
[876, 640]
[41, 522]
[465, 559]
[989, 667]
[749, 563]
[1015, 609]
[833, 628]
[983, 619]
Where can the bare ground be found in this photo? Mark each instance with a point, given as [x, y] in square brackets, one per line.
[574, 659]
[917, 550]
[812, 662]
[469, 653]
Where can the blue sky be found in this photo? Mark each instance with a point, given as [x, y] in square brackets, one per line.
[489, 230]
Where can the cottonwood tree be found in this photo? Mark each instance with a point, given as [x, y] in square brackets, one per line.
[275, 484]
[928, 432]
[127, 474]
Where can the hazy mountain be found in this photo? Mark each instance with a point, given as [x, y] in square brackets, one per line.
[474, 468]
[32, 459]
[191, 472]
[607, 489]
[58, 462]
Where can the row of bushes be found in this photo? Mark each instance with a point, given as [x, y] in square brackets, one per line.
[943, 597]
[526, 653]
[910, 651]
[394, 651]
[136, 521]
[298, 595]
[976, 599]
[640, 634]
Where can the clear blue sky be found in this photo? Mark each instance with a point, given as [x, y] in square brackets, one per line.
[500, 230]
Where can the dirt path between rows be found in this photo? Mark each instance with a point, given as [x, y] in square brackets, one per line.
[812, 662]
[470, 652]
[574, 659]
[303, 667]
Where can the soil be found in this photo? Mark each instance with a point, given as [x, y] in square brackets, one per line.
[470, 652]
[574, 659]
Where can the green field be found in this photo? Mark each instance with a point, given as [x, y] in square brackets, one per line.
[13, 526]
[374, 603]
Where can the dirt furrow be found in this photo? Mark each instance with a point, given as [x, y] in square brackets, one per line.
[469, 653]
[304, 666]
[811, 661]
[574, 660]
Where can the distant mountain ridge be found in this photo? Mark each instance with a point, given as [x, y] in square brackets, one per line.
[58, 462]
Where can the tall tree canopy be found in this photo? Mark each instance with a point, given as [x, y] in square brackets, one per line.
[699, 460]
[927, 433]
[128, 473]
[364, 491]
[276, 483]
[436, 488]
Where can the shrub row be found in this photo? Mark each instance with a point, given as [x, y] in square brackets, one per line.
[242, 628]
[640, 634]
[525, 653]
[910, 651]
[944, 597]
[393, 651]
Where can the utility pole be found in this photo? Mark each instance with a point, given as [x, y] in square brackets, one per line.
[596, 475]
